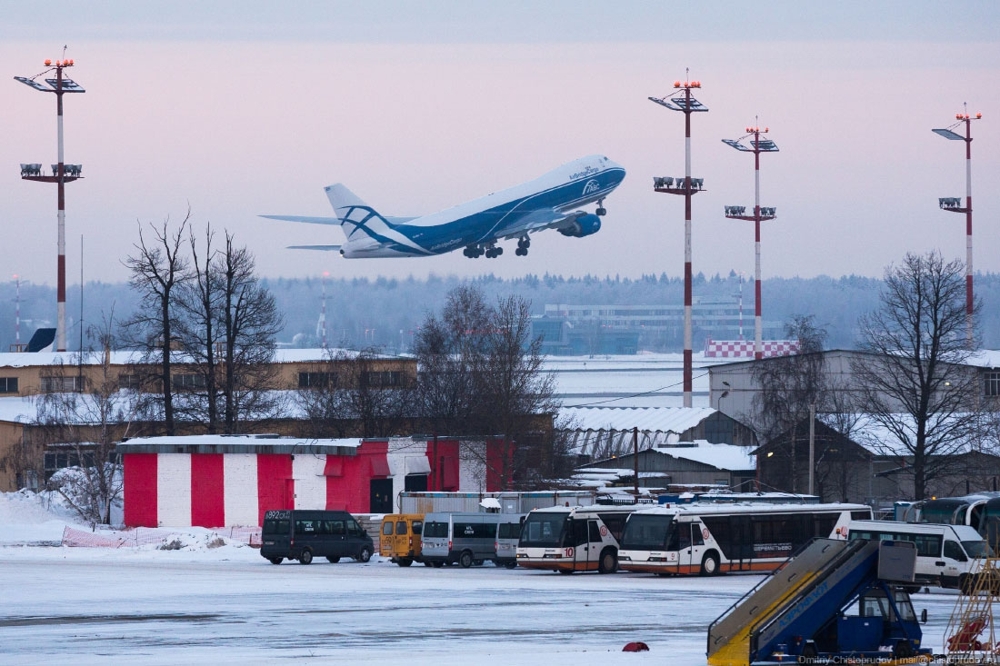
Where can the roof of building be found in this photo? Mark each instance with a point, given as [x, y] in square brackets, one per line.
[727, 457]
[238, 444]
[647, 419]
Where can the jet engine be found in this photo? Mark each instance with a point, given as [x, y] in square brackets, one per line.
[585, 225]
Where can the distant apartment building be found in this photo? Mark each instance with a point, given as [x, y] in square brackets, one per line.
[625, 329]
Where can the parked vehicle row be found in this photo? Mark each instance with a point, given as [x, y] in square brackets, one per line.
[686, 539]
[437, 539]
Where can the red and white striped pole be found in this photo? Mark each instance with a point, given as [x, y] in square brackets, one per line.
[59, 85]
[757, 146]
[61, 216]
[686, 187]
[968, 230]
[951, 204]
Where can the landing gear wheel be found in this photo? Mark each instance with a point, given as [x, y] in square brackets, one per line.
[601, 212]
[306, 557]
[465, 560]
[364, 555]
[709, 565]
[521, 252]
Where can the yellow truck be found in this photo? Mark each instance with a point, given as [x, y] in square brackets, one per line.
[399, 539]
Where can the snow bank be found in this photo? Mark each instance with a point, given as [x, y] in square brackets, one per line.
[31, 519]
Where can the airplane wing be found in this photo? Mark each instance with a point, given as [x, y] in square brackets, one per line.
[328, 248]
[549, 218]
[302, 218]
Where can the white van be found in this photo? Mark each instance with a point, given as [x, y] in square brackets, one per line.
[947, 555]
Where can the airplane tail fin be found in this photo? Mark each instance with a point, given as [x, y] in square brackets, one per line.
[354, 214]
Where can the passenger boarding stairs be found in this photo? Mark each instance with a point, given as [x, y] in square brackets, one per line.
[795, 603]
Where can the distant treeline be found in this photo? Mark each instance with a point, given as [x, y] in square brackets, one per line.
[385, 312]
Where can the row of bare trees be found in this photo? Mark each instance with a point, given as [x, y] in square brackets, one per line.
[912, 382]
[479, 377]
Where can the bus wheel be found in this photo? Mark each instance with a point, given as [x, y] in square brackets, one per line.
[404, 562]
[306, 557]
[608, 562]
[275, 560]
[710, 564]
[466, 559]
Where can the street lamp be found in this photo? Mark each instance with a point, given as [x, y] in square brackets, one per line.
[683, 101]
[756, 145]
[61, 174]
[953, 205]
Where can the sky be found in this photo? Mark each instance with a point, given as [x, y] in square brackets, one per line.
[236, 109]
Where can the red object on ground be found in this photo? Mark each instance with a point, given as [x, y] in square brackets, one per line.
[635, 646]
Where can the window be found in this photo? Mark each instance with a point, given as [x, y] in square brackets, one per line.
[477, 531]
[418, 525]
[954, 551]
[317, 379]
[8, 384]
[61, 384]
[436, 530]
[595, 532]
[401, 527]
[188, 381]
[387, 528]
[992, 384]
[383, 379]
[306, 526]
[129, 381]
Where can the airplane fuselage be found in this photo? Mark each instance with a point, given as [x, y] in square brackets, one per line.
[544, 202]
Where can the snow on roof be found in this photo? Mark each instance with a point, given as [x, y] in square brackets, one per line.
[728, 457]
[646, 419]
[237, 444]
[879, 440]
[120, 358]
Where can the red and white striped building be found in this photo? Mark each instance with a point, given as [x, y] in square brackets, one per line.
[227, 480]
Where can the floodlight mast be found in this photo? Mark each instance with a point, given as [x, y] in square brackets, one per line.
[953, 204]
[757, 145]
[61, 174]
[687, 187]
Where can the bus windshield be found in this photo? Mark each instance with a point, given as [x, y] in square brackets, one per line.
[543, 530]
[646, 532]
[944, 511]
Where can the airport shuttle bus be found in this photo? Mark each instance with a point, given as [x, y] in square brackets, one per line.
[710, 539]
[568, 539]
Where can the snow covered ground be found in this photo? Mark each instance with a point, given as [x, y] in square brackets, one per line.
[226, 604]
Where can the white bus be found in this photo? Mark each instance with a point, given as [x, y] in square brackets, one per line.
[710, 539]
[947, 555]
[578, 538]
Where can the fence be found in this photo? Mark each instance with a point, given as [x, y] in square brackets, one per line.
[148, 536]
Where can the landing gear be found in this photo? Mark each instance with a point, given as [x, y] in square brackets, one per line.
[473, 251]
[522, 246]
[601, 210]
[492, 252]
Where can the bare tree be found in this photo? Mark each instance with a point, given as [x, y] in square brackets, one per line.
[157, 270]
[790, 387]
[226, 323]
[85, 425]
[915, 383]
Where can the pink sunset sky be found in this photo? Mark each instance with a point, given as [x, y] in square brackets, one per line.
[241, 109]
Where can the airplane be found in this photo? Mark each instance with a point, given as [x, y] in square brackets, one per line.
[552, 201]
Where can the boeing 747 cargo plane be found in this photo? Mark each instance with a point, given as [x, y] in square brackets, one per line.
[552, 201]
